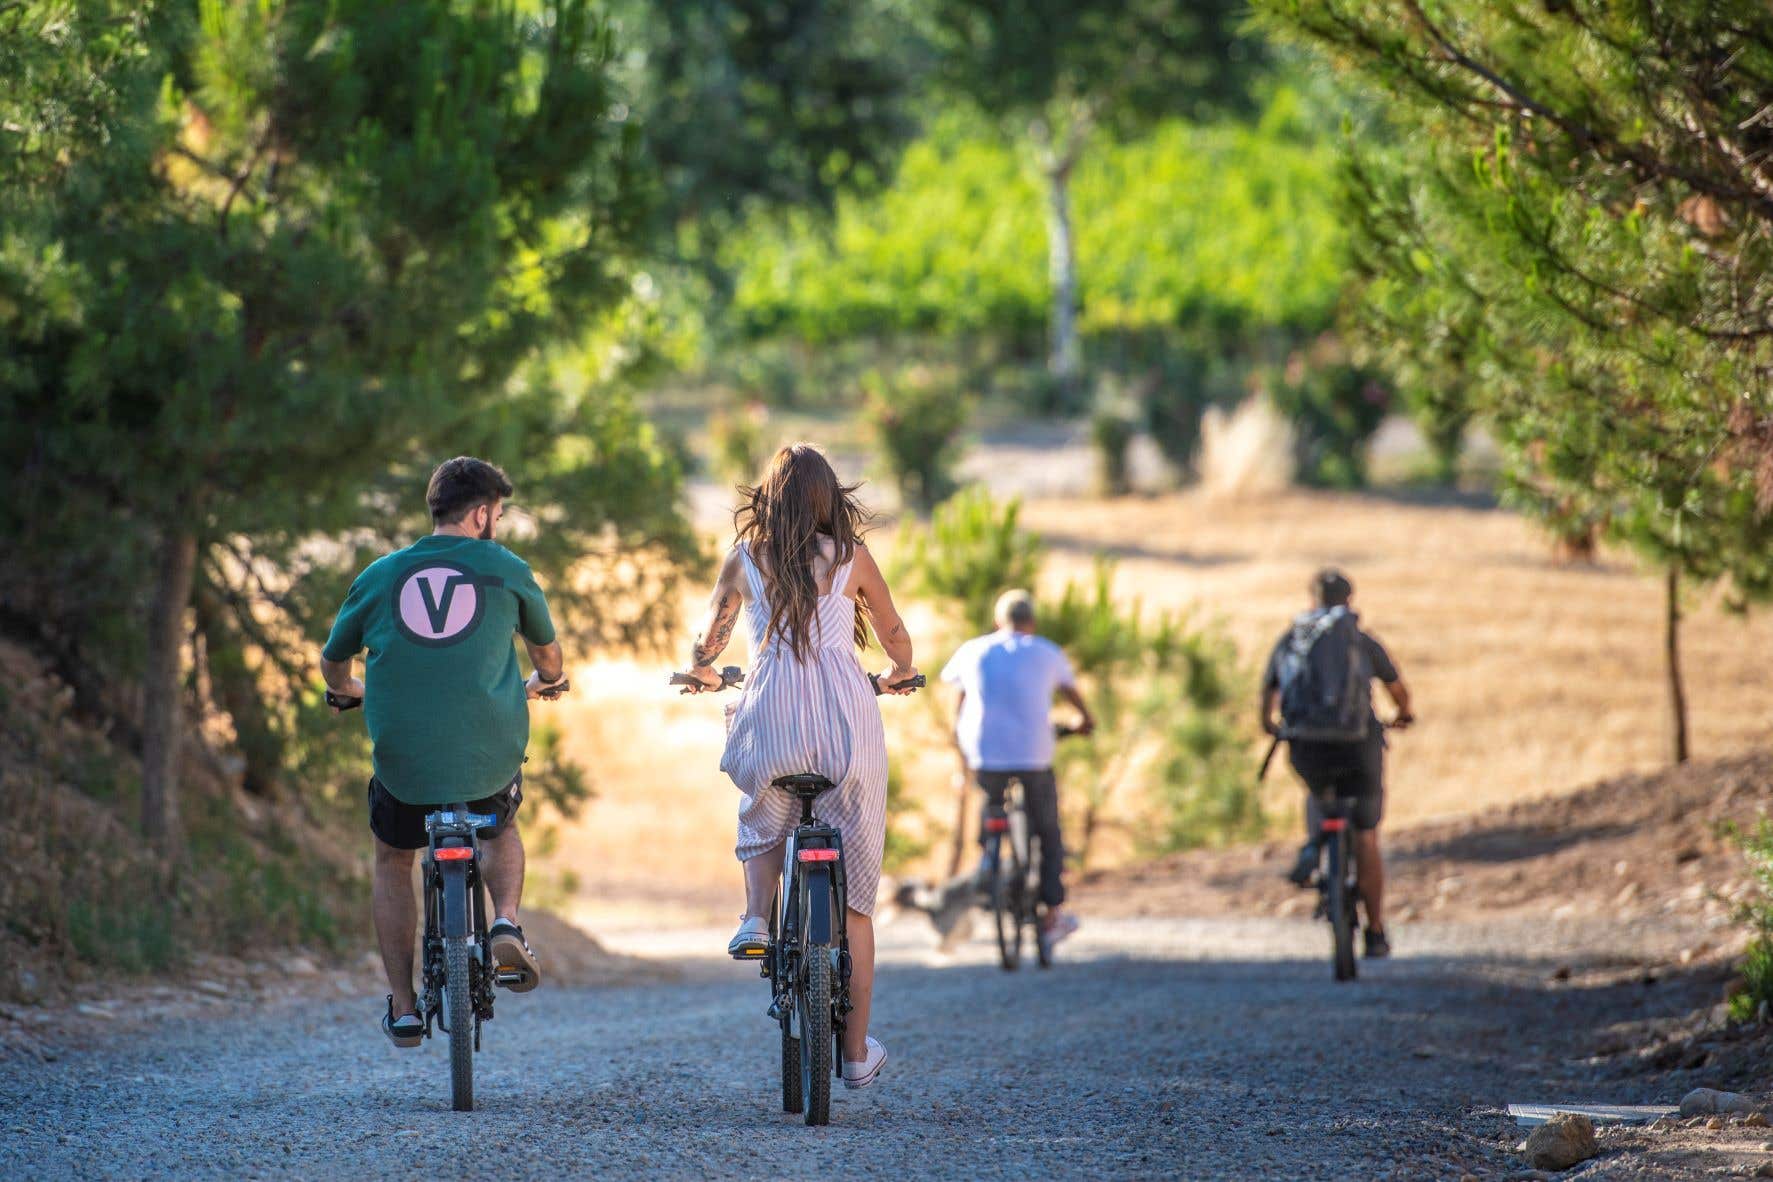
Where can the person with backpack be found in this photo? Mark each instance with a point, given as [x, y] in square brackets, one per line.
[1319, 677]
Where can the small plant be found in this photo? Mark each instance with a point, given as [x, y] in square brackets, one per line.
[1335, 408]
[1755, 1001]
[971, 552]
[1112, 431]
[916, 416]
[737, 437]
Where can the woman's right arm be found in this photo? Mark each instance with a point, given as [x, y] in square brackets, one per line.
[717, 626]
[872, 589]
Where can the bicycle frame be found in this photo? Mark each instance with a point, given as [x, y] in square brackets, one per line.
[455, 909]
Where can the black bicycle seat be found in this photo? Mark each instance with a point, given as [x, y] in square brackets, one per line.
[804, 784]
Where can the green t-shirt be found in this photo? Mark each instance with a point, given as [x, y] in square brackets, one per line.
[443, 695]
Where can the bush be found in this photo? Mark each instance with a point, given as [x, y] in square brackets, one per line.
[1112, 431]
[737, 436]
[916, 415]
[971, 552]
[1756, 999]
[1335, 408]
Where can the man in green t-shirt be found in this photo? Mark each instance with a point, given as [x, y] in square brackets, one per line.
[446, 707]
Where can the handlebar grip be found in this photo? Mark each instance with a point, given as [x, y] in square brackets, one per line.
[552, 692]
[916, 683]
[341, 702]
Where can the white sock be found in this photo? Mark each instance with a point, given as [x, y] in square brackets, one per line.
[501, 919]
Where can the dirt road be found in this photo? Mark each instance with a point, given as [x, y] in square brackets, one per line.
[1158, 1048]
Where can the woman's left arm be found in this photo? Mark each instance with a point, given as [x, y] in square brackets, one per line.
[871, 589]
[717, 627]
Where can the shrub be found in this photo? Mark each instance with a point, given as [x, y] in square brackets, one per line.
[1756, 998]
[1112, 430]
[971, 551]
[737, 437]
[1335, 408]
[916, 415]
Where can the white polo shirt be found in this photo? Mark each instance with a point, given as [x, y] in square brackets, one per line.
[1009, 679]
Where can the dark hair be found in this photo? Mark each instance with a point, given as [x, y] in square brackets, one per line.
[1331, 588]
[463, 484]
[781, 518]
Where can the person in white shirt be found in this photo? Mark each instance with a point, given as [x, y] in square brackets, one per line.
[1007, 681]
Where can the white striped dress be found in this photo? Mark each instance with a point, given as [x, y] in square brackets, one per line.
[819, 715]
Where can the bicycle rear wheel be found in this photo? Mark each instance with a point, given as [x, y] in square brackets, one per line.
[458, 1009]
[815, 1035]
[791, 1092]
[1341, 906]
[1008, 906]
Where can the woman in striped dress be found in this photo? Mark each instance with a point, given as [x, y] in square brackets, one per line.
[808, 588]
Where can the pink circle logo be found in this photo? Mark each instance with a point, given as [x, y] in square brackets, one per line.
[438, 603]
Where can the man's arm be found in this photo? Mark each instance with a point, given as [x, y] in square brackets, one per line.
[548, 661]
[1070, 694]
[1268, 710]
[1399, 693]
[338, 678]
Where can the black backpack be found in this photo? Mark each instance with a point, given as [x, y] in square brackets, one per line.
[1325, 678]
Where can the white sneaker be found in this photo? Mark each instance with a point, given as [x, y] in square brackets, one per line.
[752, 939]
[860, 1075]
[1063, 924]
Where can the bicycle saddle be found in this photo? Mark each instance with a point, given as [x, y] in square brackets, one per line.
[804, 784]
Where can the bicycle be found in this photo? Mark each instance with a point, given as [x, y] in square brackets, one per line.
[1337, 879]
[807, 959]
[458, 971]
[1014, 897]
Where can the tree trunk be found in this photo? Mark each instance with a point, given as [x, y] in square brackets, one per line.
[1677, 695]
[1065, 359]
[162, 718]
[236, 689]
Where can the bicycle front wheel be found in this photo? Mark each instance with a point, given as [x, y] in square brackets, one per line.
[815, 1035]
[458, 1010]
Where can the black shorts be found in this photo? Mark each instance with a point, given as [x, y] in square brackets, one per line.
[402, 825]
[1332, 770]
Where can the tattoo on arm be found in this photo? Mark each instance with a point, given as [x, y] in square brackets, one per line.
[719, 632]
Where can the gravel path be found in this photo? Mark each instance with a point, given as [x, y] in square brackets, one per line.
[1158, 1048]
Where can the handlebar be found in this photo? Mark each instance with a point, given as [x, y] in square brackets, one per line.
[913, 683]
[341, 702]
[732, 675]
[550, 693]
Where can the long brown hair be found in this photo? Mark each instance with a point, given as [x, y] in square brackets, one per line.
[780, 519]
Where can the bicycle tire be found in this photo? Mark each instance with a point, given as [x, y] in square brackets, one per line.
[1006, 911]
[1341, 911]
[459, 1012]
[815, 1035]
[791, 1094]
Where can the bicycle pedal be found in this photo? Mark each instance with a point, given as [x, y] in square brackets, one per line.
[510, 977]
[752, 952]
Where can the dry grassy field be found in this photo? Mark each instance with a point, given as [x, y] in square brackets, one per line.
[1531, 678]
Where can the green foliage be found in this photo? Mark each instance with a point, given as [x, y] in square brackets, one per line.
[271, 263]
[1335, 408]
[1111, 431]
[972, 551]
[1756, 1000]
[902, 848]
[736, 433]
[916, 415]
[1564, 209]
[1168, 730]
[1219, 230]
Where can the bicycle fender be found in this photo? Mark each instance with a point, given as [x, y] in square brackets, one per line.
[457, 921]
[816, 915]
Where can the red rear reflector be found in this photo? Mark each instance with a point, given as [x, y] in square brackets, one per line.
[816, 855]
[997, 824]
[1334, 824]
[454, 853]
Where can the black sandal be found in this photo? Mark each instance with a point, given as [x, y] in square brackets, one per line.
[406, 1031]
